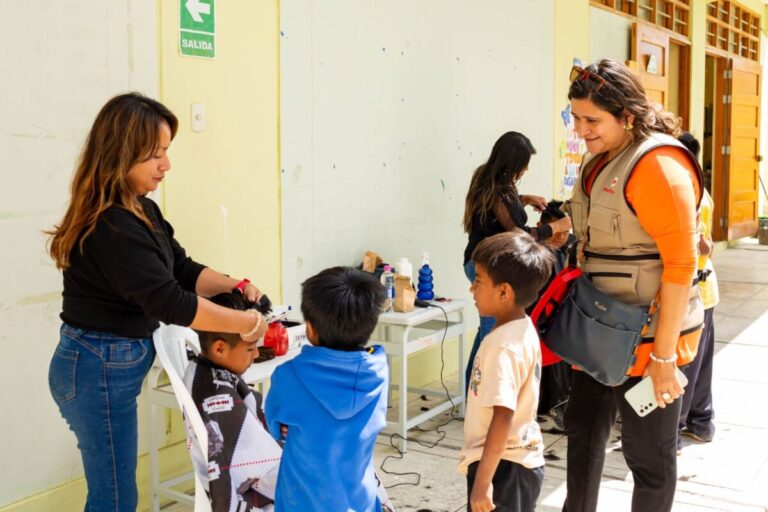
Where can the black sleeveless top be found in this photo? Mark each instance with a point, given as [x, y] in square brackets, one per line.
[492, 226]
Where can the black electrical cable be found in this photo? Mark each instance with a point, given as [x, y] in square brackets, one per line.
[765, 192]
[436, 429]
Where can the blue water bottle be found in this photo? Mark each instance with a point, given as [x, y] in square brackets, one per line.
[425, 285]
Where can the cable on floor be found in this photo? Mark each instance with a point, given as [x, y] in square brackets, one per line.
[436, 428]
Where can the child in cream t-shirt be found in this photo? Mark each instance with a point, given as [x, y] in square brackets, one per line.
[503, 454]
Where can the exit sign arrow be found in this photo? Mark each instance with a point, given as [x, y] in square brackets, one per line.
[197, 28]
[196, 8]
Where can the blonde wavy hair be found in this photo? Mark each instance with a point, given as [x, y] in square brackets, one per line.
[124, 133]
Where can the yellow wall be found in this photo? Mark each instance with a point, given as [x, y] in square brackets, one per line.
[70, 496]
[571, 40]
[764, 12]
[758, 6]
[698, 67]
[233, 164]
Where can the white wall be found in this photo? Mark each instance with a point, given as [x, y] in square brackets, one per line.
[387, 108]
[61, 62]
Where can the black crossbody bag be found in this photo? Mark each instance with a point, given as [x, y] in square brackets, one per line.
[596, 332]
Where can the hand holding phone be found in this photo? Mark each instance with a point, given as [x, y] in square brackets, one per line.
[642, 398]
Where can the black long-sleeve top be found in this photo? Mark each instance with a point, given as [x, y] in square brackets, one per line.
[514, 205]
[129, 277]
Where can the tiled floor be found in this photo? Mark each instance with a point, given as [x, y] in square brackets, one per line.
[729, 474]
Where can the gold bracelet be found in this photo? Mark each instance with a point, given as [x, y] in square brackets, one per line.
[255, 327]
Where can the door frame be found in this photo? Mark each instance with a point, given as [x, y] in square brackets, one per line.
[684, 81]
[720, 116]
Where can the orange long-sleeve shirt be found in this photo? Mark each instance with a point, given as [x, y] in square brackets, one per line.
[664, 190]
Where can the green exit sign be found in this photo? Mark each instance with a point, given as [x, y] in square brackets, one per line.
[197, 28]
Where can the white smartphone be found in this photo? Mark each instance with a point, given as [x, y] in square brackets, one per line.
[641, 396]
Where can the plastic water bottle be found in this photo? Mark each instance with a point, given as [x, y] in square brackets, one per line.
[425, 285]
[388, 280]
[403, 267]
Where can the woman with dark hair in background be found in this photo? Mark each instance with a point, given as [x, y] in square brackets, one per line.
[634, 216]
[494, 205]
[124, 272]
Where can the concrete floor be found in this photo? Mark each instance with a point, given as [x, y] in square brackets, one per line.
[730, 474]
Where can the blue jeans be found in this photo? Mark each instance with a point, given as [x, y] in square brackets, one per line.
[486, 325]
[95, 379]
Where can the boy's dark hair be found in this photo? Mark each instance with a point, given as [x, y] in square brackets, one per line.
[515, 258]
[552, 212]
[231, 300]
[689, 141]
[343, 305]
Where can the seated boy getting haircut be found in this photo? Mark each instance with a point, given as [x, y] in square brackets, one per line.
[332, 398]
[503, 454]
[243, 458]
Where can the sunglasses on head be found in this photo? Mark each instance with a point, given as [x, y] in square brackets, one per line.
[579, 74]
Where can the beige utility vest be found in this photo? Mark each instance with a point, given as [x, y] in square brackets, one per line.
[619, 255]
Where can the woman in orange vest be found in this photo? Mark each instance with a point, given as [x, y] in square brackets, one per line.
[634, 214]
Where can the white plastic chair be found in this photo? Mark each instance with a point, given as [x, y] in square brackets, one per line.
[171, 342]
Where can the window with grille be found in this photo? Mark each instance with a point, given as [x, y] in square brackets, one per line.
[733, 28]
[669, 14]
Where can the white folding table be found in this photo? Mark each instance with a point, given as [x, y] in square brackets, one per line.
[404, 334]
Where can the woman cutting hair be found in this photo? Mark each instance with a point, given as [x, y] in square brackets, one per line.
[634, 215]
[494, 205]
[124, 272]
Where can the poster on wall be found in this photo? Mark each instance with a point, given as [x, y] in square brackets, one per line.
[572, 148]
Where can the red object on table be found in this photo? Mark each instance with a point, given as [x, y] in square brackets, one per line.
[277, 338]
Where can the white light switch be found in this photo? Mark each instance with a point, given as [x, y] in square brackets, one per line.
[198, 117]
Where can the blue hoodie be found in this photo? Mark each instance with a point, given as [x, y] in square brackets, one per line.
[334, 404]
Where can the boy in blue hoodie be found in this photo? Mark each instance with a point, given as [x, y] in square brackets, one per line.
[332, 398]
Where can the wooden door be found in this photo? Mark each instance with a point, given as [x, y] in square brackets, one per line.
[650, 52]
[720, 112]
[742, 153]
